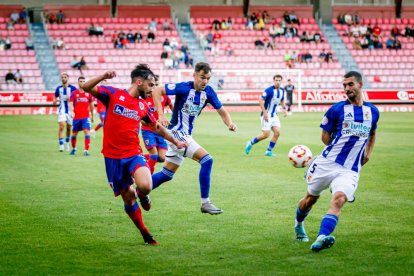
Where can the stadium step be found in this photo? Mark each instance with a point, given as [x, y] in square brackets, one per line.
[45, 56]
[188, 36]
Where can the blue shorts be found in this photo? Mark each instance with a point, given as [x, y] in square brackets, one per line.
[120, 172]
[102, 116]
[81, 124]
[153, 140]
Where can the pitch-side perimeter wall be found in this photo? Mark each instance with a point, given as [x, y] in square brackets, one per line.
[41, 102]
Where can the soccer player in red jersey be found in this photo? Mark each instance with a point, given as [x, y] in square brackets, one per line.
[124, 162]
[155, 144]
[83, 115]
[101, 109]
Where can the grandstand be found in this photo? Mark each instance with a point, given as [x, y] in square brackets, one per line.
[382, 68]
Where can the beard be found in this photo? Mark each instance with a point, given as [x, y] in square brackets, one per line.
[351, 95]
[142, 93]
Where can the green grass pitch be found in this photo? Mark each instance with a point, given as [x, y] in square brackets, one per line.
[59, 216]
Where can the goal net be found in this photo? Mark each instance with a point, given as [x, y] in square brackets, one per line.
[247, 81]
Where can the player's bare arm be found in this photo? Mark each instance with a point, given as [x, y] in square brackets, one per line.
[282, 104]
[91, 107]
[90, 85]
[157, 94]
[162, 131]
[369, 147]
[225, 116]
[262, 107]
[326, 137]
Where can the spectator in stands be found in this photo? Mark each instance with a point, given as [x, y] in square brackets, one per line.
[348, 19]
[293, 18]
[408, 32]
[164, 54]
[317, 37]
[174, 43]
[217, 36]
[10, 79]
[189, 61]
[389, 43]
[166, 45]
[10, 25]
[341, 18]
[260, 25]
[304, 37]
[329, 57]
[355, 30]
[356, 45]
[310, 37]
[83, 65]
[259, 44]
[130, 37]
[168, 62]
[268, 44]
[18, 77]
[266, 16]
[377, 42]
[215, 25]
[23, 16]
[150, 37]
[60, 44]
[60, 17]
[215, 49]
[152, 26]
[50, 17]
[184, 48]
[75, 63]
[308, 57]
[229, 23]
[364, 42]
[138, 37]
[397, 44]
[14, 16]
[223, 25]
[286, 17]
[273, 33]
[7, 44]
[322, 56]
[355, 18]
[395, 31]
[95, 30]
[249, 24]
[204, 42]
[228, 50]
[293, 31]
[287, 60]
[166, 26]
[301, 56]
[29, 44]
[2, 43]
[294, 57]
[376, 31]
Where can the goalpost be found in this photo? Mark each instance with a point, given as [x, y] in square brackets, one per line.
[245, 81]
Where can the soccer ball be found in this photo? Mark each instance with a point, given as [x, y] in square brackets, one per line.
[299, 156]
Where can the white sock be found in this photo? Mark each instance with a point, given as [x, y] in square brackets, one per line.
[205, 200]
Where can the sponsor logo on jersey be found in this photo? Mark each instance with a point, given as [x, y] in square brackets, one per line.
[191, 109]
[122, 98]
[349, 116]
[126, 112]
[355, 129]
[325, 121]
[171, 86]
[82, 100]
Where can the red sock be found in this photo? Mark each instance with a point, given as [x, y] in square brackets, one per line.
[152, 163]
[135, 214]
[87, 142]
[73, 140]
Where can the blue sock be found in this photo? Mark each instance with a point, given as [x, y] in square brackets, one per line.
[154, 156]
[300, 215]
[271, 146]
[67, 139]
[328, 224]
[206, 164]
[160, 177]
[159, 160]
[60, 141]
[254, 141]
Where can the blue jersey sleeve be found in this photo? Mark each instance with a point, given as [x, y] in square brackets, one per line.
[177, 88]
[375, 117]
[328, 121]
[266, 93]
[213, 99]
[57, 92]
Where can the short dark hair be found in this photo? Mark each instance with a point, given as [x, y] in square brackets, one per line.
[142, 71]
[157, 77]
[277, 76]
[81, 78]
[354, 74]
[202, 66]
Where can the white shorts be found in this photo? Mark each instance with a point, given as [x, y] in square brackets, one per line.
[272, 122]
[65, 118]
[177, 156]
[323, 173]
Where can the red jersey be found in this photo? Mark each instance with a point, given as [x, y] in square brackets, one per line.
[165, 101]
[100, 107]
[123, 117]
[81, 104]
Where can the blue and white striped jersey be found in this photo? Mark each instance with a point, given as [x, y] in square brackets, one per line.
[272, 98]
[64, 96]
[188, 105]
[350, 126]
